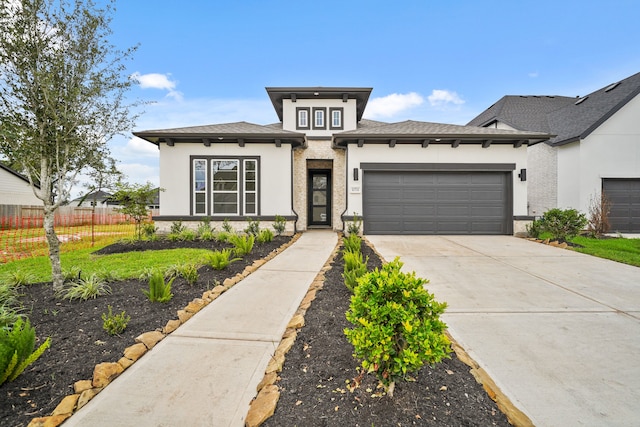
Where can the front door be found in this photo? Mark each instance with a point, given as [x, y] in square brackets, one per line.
[319, 197]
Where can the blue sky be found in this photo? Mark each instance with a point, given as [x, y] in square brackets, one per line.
[203, 62]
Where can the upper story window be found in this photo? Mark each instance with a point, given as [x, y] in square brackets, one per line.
[302, 117]
[335, 115]
[319, 118]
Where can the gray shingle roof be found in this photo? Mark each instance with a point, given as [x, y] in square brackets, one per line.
[574, 120]
[235, 130]
[426, 129]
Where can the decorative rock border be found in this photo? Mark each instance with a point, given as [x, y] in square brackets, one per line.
[105, 373]
[263, 406]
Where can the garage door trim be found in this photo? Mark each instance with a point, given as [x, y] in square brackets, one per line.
[443, 167]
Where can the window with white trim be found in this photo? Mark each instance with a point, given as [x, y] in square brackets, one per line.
[302, 118]
[200, 187]
[225, 186]
[335, 115]
[319, 119]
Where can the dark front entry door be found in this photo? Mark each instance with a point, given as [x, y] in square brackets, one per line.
[319, 197]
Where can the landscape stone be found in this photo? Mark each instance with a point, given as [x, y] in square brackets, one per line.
[150, 339]
[86, 396]
[195, 306]
[104, 373]
[269, 379]
[52, 421]
[296, 322]
[171, 326]
[286, 344]
[184, 316]
[67, 405]
[125, 362]
[82, 385]
[263, 406]
[275, 364]
[134, 352]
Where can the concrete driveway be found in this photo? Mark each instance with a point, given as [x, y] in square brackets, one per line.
[558, 331]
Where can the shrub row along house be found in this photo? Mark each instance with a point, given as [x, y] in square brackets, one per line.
[323, 163]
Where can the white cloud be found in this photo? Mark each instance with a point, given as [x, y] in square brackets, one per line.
[391, 105]
[140, 173]
[443, 98]
[139, 148]
[158, 81]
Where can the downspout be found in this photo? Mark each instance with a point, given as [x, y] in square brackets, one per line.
[295, 222]
[346, 183]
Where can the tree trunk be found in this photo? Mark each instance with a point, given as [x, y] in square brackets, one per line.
[54, 248]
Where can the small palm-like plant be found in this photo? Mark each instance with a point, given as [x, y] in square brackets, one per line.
[159, 290]
[17, 346]
[219, 260]
[83, 289]
[352, 243]
[265, 236]
[187, 271]
[242, 244]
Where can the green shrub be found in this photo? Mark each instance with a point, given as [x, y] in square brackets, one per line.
[253, 227]
[207, 235]
[226, 226]
[354, 226]
[354, 268]
[187, 271]
[280, 224]
[223, 236]
[397, 326]
[242, 244]
[114, 324]
[159, 291]
[18, 277]
[176, 227]
[72, 273]
[265, 236]
[10, 306]
[83, 289]
[219, 260]
[149, 230]
[535, 229]
[187, 235]
[352, 243]
[563, 224]
[17, 346]
[204, 228]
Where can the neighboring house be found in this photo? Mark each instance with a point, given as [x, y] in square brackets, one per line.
[596, 148]
[323, 164]
[15, 189]
[99, 199]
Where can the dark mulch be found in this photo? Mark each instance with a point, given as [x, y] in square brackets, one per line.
[78, 341]
[313, 380]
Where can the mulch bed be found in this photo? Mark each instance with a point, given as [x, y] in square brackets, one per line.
[313, 381]
[78, 341]
[313, 384]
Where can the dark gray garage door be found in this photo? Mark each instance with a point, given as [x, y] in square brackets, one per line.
[624, 195]
[437, 202]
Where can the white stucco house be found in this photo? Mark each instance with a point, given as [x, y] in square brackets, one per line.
[322, 163]
[15, 188]
[596, 148]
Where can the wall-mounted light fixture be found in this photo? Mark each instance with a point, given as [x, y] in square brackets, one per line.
[355, 174]
[523, 175]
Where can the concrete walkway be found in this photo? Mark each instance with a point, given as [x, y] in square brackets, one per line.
[558, 331]
[205, 373]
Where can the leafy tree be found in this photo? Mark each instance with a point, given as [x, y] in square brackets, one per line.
[133, 200]
[61, 97]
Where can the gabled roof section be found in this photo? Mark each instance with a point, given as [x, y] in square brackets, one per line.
[523, 112]
[570, 119]
[584, 115]
[439, 133]
[225, 132]
[360, 94]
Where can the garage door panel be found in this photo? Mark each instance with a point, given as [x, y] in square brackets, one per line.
[436, 202]
[624, 195]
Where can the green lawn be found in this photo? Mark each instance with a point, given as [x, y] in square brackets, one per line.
[618, 249]
[125, 265]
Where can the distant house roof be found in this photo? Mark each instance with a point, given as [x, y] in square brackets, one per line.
[99, 196]
[426, 133]
[239, 132]
[569, 119]
[12, 172]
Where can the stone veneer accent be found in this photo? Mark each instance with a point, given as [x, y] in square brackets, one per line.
[319, 150]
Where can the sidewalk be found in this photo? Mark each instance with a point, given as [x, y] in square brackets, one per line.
[205, 373]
